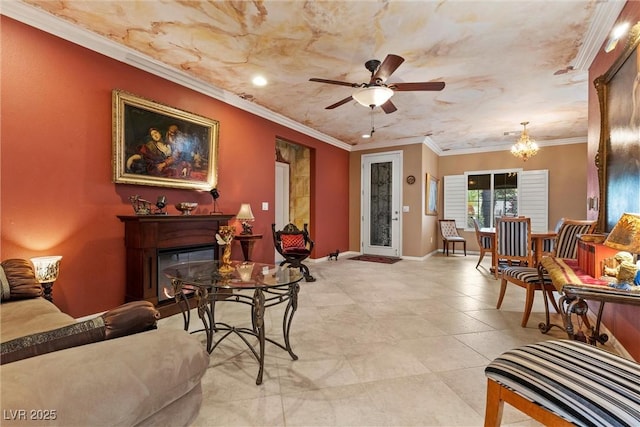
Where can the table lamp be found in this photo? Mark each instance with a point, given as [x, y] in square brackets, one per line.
[46, 269]
[625, 235]
[245, 216]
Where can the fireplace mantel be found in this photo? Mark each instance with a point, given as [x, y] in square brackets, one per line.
[146, 235]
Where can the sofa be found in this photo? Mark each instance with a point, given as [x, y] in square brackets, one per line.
[113, 369]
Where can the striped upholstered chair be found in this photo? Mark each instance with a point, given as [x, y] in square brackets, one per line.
[549, 244]
[513, 244]
[566, 244]
[564, 383]
[528, 277]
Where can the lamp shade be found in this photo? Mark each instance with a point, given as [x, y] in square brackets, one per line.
[625, 235]
[245, 214]
[46, 268]
[372, 95]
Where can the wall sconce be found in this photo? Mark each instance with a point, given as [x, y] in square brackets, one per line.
[245, 215]
[46, 269]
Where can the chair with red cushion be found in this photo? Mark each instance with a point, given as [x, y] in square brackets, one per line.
[295, 246]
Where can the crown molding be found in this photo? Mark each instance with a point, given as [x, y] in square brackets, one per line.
[51, 24]
[605, 17]
[541, 144]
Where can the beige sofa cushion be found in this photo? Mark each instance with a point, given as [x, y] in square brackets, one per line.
[118, 382]
[30, 316]
[130, 318]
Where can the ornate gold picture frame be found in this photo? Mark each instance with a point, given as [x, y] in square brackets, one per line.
[154, 144]
[619, 149]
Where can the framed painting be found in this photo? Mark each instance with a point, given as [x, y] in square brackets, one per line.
[618, 158]
[431, 199]
[154, 144]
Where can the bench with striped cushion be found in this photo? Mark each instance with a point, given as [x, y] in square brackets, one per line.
[562, 382]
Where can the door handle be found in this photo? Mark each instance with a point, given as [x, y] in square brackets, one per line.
[394, 219]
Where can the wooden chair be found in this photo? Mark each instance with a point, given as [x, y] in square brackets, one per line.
[564, 383]
[513, 245]
[295, 246]
[548, 245]
[513, 242]
[450, 234]
[485, 241]
[534, 279]
[566, 247]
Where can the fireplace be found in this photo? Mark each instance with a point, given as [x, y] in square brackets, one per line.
[152, 240]
[168, 257]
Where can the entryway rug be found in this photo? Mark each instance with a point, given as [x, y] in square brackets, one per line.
[376, 258]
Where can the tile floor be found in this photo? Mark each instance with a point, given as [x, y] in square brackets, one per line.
[379, 345]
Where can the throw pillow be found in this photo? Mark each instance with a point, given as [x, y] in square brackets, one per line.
[292, 242]
[18, 281]
[130, 318]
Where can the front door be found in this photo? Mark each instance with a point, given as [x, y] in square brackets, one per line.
[381, 200]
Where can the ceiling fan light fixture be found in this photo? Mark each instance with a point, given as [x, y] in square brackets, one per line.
[525, 147]
[372, 95]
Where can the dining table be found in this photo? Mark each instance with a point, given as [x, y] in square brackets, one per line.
[538, 238]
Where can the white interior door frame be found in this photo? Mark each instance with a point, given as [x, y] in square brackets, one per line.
[281, 208]
[394, 246]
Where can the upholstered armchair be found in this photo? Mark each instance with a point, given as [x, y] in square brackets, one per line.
[450, 234]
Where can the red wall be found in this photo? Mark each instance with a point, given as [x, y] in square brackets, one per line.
[622, 320]
[57, 197]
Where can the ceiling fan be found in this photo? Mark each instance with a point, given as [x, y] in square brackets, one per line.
[377, 93]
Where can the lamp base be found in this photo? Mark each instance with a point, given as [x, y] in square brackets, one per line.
[247, 228]
[48, 291]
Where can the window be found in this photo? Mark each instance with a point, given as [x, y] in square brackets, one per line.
[491, 195]
[485, 195]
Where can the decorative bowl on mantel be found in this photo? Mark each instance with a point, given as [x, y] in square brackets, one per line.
[186, 207]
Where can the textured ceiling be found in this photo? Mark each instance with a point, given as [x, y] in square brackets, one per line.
[498, 58]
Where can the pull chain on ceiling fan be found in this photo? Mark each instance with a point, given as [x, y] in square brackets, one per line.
[373, 129]
[377, 93]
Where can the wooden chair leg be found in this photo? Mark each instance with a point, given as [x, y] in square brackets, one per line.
[503, 289]
[494, 405]
[528, 304]
[482, 252]
[464, 246]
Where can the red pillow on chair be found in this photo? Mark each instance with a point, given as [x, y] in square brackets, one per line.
[292, 242]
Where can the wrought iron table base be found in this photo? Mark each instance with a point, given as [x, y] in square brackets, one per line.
[206, 302]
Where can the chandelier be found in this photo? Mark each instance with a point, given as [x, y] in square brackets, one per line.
[525, 147]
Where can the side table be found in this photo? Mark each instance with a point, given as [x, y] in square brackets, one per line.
[246, 242]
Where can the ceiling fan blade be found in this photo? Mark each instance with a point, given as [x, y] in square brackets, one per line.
[390, 64]
[339, 103]
[405, 87]
[333, 82]
[388, 107]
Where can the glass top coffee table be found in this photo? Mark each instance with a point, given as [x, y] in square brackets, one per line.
[257, 285]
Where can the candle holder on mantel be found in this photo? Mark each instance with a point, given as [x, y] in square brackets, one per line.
[224, 237]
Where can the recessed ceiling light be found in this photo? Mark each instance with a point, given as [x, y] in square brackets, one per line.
[259, 81]
[366, 135]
